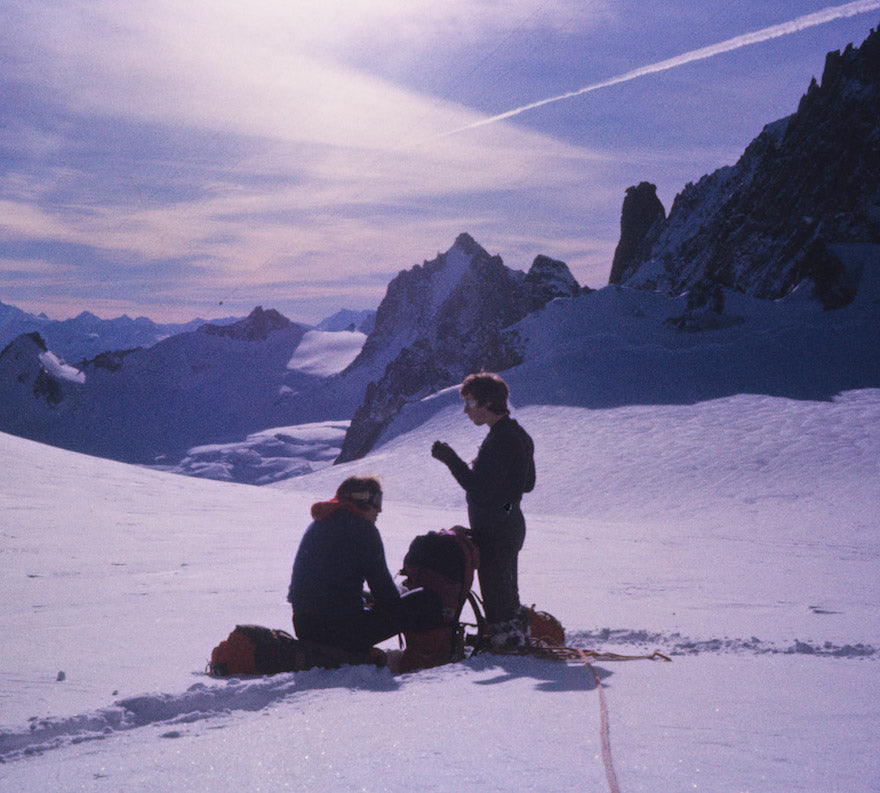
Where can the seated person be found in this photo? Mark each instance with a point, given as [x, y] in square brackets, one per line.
[340, 551]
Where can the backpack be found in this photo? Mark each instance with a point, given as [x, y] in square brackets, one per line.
[546, 630]
[255, 650]
[444, 562]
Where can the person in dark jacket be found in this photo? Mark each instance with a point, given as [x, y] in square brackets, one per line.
[494, 484]
[339, 552]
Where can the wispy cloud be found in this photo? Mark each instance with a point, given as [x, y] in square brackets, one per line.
[729, 45]
[216, 148]
[302, 163]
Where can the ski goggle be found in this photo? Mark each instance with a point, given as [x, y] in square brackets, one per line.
[366, 497]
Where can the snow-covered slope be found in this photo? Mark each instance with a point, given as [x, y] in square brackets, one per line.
[737, 535]
[708, 485]
[218, 385]
[324, 353]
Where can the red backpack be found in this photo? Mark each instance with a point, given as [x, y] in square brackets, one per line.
[443, 562]
[255, 650]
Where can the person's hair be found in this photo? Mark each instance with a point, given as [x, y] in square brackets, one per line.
[488, 389]
[364, 490]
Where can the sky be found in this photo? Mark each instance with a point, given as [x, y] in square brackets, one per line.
[196, 160]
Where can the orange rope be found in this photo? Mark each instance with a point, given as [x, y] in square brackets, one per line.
[587, 658]
[605, 733]
[578, 654]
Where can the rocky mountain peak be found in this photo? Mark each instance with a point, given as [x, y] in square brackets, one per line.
[550, 278]
[255, 327]
[441, 320]
[468, 245]
[771, 222]
[429, 297]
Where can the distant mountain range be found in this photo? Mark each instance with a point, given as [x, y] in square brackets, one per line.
[776, 258]
[214, 387]
[86, 335]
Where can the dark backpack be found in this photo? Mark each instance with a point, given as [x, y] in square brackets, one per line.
[255, 650]
[443, 562]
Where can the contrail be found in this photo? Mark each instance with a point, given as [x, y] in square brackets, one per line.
[765, 34]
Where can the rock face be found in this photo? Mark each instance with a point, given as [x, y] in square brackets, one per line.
[641, 211]
[771, 221]
[442, 320]
[255, 327]
[548, 279]
[23, 372]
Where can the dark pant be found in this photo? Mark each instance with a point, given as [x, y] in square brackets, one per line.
[499, 535]
[499, 582]
[418, 610]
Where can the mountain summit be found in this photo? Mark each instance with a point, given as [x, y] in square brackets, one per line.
[255, 327]
[807, 183]
[442, 320]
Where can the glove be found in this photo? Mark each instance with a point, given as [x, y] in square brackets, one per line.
[442, 452]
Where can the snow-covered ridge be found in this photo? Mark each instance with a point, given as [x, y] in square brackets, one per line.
[325, 353]
[59, 369]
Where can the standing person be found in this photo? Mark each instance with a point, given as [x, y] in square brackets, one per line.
[340, 550]
[503, 470]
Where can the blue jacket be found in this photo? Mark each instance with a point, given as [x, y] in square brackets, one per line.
[338, 553]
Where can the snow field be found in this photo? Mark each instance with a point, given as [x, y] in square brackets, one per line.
[713, 532]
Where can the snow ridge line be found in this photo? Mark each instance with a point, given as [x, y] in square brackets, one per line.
[203, 701]
[198, 703]
[676, 644]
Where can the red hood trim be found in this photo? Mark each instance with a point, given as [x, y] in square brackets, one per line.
[324, 509]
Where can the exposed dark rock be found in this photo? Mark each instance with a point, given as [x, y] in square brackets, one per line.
[548, 279]
[111, 361]
[255, 327]
[48, 388]
[641, 210]
[767, 224]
